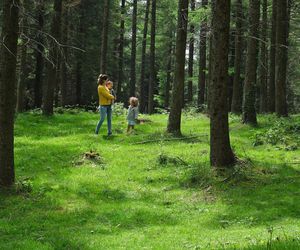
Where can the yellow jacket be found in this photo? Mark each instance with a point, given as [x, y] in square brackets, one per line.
[105, 98]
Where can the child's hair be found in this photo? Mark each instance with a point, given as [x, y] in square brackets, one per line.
[133, 101]
[102, 78]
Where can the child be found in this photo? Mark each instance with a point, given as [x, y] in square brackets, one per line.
[110, 86]
[132, 113]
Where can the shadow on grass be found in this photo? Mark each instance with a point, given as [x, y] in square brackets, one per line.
[261, 198]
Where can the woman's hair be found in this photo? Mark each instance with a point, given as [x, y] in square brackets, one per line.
[102, 78]
[133, 101]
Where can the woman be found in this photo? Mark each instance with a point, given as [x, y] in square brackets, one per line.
[105, 101]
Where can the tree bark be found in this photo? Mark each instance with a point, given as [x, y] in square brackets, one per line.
[143, 89]
[191, 57]
[152, 80]
[174, 122]
[8, 52]
[249, 112]
[169, 71]
[202, 59]
[53, 54]
[133, 51]
[64, 57]
[236, 105]
[221, 154]
[263, 76]
[271, 80]
[121, 51]
[281, 58]
[103, 56]
[38, 82]
[23, 74]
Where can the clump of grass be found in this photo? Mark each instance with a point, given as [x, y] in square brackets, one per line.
[164, 159]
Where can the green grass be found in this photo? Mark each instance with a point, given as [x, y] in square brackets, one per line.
[128, 199]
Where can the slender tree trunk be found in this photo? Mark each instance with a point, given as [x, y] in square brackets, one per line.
[202, 59]
[64, 61]
[281, 60]
[121, 51]
[169, 71]
[143, 89]
[249, 112]
[38, 82]
[133, 51]
[271, 80]
[152, 80]
[53, 54]
[23, 75]
[103, 56]
[236, 105]
[263, 104]
[231, 66]
[191, 57]
[221, 154]
[174, 122]
[8, 52]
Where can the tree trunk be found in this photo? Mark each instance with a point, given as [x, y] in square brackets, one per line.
[249, 112]
[281, 61]
[202, 59]
[271, 80]
[174, 122]
[143, 89]
[23, 74]
[53, 54]
[133, 51]
[221, 154]
[103, 56]
[152, 80]
[38, 82]
[8, 52]
[191, 57]
[64, 58]
[121, 51]
[263, 76]
[236, 105]
[169, 71]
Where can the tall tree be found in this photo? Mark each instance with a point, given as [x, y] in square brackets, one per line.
[143, 86]
[38, 82]
[174, 122]
[271, 78]
[191, 57]
[281, 61]
[202, 58]
[24, 62]
[133, 51]
[64, 57]
[221, 154]
[121, 50]
[152, 80]
[249, 99]
[263, 76]
[236, 105]
[8, 52]
[104, 37]
[169, 71]
[53, 54]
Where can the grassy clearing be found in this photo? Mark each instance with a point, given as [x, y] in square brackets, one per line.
[156, 195]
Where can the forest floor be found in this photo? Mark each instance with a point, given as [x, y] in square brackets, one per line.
[148, 190]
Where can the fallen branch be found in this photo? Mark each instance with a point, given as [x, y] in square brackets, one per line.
[168, 139]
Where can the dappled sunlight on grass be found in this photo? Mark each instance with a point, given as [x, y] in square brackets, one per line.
[148, 189]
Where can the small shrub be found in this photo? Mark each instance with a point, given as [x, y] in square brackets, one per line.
[118, 109]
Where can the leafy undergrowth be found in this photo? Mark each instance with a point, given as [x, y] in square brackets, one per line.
[148, 190]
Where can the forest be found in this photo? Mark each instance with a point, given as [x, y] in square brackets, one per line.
[145, 124]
